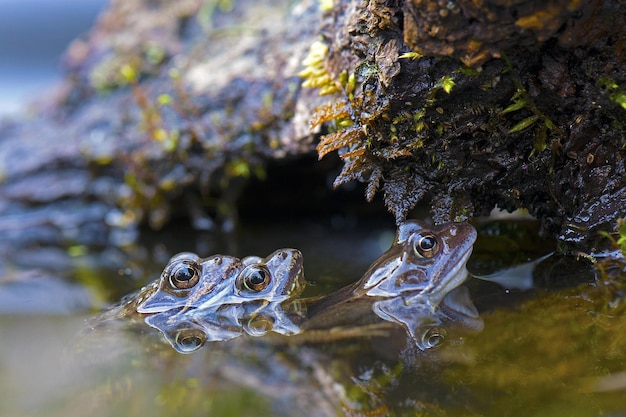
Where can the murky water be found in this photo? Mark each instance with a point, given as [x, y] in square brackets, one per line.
[553, 343]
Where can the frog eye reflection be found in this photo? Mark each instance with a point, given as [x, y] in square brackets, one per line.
[426, 246]
[258, 326]
[184, 276]
[432, 337]
[255, 277]
[188, 341]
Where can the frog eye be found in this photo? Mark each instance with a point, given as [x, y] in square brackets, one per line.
[426, 246]
[255, 277]
[184, 275]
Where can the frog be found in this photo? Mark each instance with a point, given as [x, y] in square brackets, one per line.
[260, 305]
[273, 279]
[258, 298]
[407, 286]
[216, 299]
[176, 288]
[185, 279]
[189, 281]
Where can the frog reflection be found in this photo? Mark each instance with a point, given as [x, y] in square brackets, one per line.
[427, 325]
[189, 330]
[411, 284]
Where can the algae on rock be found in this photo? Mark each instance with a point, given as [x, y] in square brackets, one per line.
[170, 109]
[482, 105]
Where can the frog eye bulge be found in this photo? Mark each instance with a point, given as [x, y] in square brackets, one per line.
[184, 276]
[255, 278]
[426, 246]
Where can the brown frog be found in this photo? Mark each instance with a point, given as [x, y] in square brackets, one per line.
[405, 285]
[222, 297]
[217, 298]
[192, 282]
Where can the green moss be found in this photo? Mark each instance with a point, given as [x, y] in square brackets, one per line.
[621, 229]
[411, 55]
[154, 53]
[129, 74]
[619, 98]
[315, 73]
[618, 239]
[164, 99]
[525, 124]
[447, 83]
[326, 5]
[523, 103]
[616, 94]
[113, 72]
[468, 71]
[389, 117]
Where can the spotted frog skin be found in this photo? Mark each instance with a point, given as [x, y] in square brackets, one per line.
[274, 279]
[407, 283]
[426, 259]
[185, 279]
[217, 298]
[189, 281]
[253, 296]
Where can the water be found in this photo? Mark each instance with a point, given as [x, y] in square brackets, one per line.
[33, 35]
[553, 344]
[557, 347]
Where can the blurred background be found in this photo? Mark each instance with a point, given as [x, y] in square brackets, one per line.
[33, 36]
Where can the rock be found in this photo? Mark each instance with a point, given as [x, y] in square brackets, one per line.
[170, 109]
[166, 110]
[476, 105]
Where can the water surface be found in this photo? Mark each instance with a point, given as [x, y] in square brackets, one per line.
[553, 344]
[554, 340]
